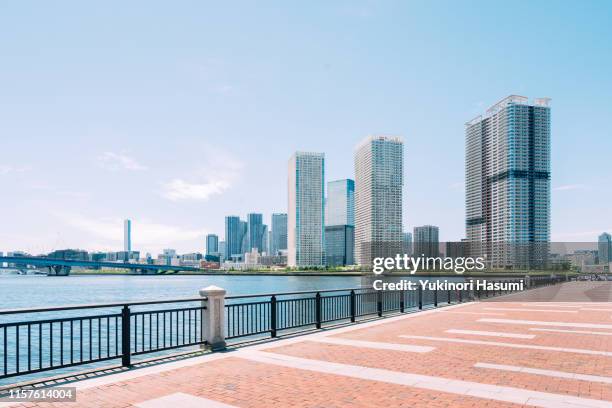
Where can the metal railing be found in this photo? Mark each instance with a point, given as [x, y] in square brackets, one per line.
[69, 336]
[44, 339]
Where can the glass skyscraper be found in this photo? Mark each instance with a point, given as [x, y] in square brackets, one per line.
[127, 236]
[604, 248]
[379, 180]
[233, 237]
[305, 220]
[279, 233]
[340, 222]
[254, 232]
[212, 244]
[508, 183]
[426, 241]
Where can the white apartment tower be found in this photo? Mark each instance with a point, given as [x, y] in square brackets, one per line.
[507, 177]
[379, 162]
[305, 217]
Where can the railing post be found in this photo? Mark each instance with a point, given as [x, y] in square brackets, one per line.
[213, 324]
[126, 352]
[449, 297]
[460, 296]
[273, 316]
[420, 298]
[401, 293]
[353, 306]
[318, 312]
[435, 297]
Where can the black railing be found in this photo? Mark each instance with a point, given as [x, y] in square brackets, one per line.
[55, 338]
[65, 337]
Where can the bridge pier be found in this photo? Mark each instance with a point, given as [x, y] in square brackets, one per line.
[59, 270]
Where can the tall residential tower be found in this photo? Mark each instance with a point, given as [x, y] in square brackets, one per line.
[379, 168]
[305, 226]
[507, 176]
[340, 223]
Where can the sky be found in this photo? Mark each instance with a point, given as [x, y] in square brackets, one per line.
[176, 114]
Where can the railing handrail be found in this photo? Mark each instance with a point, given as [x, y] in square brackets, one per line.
[97, 306]
[305, 292]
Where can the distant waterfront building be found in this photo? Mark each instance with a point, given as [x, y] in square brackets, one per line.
[604, 248]
[457, 249]
[221, 251]
[340, 223]
[244, 240]
[426, 241]
[379, 163]
[233, 236]
[305, 220]
[264, 240]
[212, 244]
[279, 232]
[127, 235]
[254, 232]
[407, 243]
[507, 190]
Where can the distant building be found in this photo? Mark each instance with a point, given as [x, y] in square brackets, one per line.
[193, 260]
[407, 243]
[244, 245]
[221, 251]
[457, 249]
[264, 240]
[279, 233]
[212, 244]
[127, 236]
[340, 223]
[379, 163]
[233, 237]
[604, 248]
[69, 254]
[254, 232]
[426, 241]
[305, 220]
[507, 191]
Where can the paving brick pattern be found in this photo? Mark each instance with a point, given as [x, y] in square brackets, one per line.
[241, 382]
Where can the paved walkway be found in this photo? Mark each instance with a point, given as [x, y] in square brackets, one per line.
[498, 354]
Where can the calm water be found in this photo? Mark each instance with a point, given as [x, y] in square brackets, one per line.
[17, 291]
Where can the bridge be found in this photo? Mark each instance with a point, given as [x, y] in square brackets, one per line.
[62, 267]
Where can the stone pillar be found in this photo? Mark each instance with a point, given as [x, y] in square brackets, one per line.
[213, 318]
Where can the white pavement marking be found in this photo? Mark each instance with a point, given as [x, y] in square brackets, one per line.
[547, 373]
[474, 313]
[596, 310]
[374, 344]
[181, 400]
[512, 345]
[439, 384]
[549, 305]
[514, 309]
[491, 334]
[572, 331]
[541, 323]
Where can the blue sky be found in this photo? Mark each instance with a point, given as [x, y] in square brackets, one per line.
[175, 114]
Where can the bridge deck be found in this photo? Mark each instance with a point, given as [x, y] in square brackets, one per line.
[523, 351]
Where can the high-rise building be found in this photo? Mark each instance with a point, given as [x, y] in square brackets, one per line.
[233, 237]
[305, 220]
[407, 243]
[604, 248]
[340, 223]
[212, 244]
[244, 239]
[254, 232]
[279, 233]
[379, 162]
[127, 235]
[426, 241]
[340, 202]
[508, 183]
[264, 239]
[222, 251]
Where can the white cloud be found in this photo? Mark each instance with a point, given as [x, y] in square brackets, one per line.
[119, 161]
[6, 169]
[217, 175]
[179, 189]
[566, 187]
[107, 233]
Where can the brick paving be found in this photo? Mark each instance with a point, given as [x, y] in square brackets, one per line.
[305, 372]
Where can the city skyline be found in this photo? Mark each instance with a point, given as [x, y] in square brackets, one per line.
[109, 130]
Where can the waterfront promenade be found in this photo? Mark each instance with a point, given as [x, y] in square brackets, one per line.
[548, 347]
